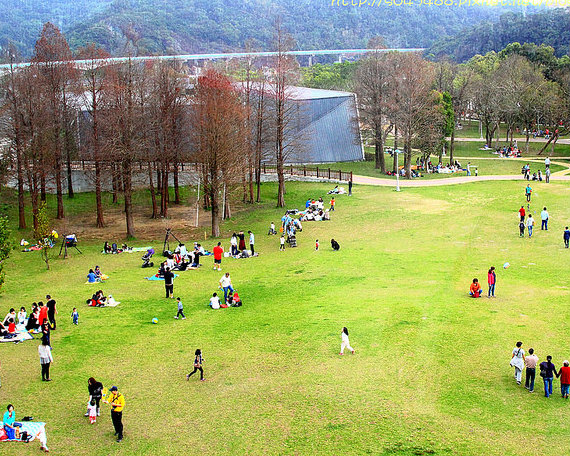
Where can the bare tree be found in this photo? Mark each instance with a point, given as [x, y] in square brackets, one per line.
[217, 119]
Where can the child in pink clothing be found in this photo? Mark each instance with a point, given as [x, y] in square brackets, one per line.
[92, 410]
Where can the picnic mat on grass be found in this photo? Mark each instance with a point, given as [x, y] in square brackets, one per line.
[154, 277]
[36, 429]
[21, 335]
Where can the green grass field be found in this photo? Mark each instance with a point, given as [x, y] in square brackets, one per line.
[431, 372]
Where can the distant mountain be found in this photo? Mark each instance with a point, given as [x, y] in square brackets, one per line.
[175, 26]
[550, 27]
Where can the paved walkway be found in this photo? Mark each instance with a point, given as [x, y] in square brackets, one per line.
[519, 140]
[418, 182]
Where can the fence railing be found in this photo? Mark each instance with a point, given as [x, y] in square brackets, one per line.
[308, 171]
[319, 172]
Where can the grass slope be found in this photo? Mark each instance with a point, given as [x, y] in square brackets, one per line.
[431, 373]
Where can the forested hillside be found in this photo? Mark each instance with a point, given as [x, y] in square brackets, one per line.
[174, 26]
[550, 27]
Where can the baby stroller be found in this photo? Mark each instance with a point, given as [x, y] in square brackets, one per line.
[146, 259]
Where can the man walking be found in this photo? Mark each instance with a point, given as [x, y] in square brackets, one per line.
[522, 213]
[544, 217]
[530, 363]
[529, 224]
[169, 283]
[566, 237]
[547, 372]
[547, 174]
[226, 285]
[251, 242]
[528, 192]
[117, 402]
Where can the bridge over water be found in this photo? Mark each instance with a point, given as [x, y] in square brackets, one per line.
[341, 53]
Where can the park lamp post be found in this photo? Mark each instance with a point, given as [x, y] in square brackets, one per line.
[397, 152]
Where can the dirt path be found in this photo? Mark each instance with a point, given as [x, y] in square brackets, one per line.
[520, 140]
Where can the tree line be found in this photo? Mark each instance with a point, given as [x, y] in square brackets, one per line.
[420, 103]
[129, 117]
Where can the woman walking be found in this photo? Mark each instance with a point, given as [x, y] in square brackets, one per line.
[345, 342]
[491, 280]
[95, 393]
[46, 359]
[198, 360]
[517, 361]
[564, 374]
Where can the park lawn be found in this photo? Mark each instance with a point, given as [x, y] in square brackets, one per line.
[430, 374]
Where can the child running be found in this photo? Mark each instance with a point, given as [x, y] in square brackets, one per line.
[92, 411]
[198, 360]
[180, 310]
[345, 342]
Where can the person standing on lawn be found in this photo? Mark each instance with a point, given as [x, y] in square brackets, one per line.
[117, 402]
[530, 224]
[547, 174]
[521, 228]
[282, 242]
[544, 217]
[547, 372]
[491, 280]
[169, 283]
[251, 242]
[522, 213]
[226, 285]
[530, 363]
[564, 374]
[517, 361]
[198, 360]
[566, 237]
[218, 253]
[51, 311]
[46, 358]
[528, 192]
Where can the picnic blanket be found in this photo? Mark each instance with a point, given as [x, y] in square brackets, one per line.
[156, 277]
[139, 249]
[21, 335]
[36, 430]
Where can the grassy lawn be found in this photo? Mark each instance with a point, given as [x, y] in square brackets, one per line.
[431, 372]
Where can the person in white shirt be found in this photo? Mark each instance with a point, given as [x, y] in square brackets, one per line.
[182, 250]
[517, 361]
[251, 242]
[547, 174]
[170, 263]
[345, 343]
[46, 359]
[282, 243]
[272, 229]
[234, 245]
[544, 217]
[22, 316]
[547, 162]
[214, 301]
[529, 225]
[226, 285]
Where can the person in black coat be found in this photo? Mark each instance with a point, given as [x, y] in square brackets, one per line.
[95, 392]
[335, 245]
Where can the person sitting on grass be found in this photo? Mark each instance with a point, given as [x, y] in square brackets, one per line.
[11, 326]
[475, 289]
[92, 277]
[272, 229]
[236, 301]
[32, 323]
[10, 316]
[22, 316]
[335, 245]
[214, 301]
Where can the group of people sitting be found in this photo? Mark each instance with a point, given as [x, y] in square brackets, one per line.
[40, 320]
[181, 259]
[95, 275]
[511, 151]
[315, 210]
[114, 249]
[98, 299]
[231, 300]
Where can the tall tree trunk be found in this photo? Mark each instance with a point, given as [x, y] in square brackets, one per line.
[43, 192]
[452, 146]
[152, 192]
[527, 142]
[213, 196]
[176, 188]
[127, 182]
[70, 193]
[115, 182]
[20, 174]
[59, 187]
[380, 162]
[98, 196]
[408, 158]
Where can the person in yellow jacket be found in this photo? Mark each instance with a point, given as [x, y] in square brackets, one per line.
[117, 402]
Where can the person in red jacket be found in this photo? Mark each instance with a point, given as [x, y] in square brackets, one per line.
[522, 213]
[564, 374]
[218, 253]
[491, 280]
[43, 313]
